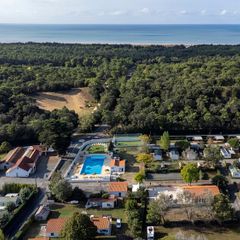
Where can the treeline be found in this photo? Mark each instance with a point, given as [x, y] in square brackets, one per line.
[140, 88]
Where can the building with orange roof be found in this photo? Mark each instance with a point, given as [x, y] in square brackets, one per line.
[118, 189]
[22, 161]
[11, 158]
[117, 165]
[54, 227]
[103, 224]
[199, 190]
[177, 196]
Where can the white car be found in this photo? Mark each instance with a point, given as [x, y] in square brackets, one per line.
[150, 233]
[118, 223]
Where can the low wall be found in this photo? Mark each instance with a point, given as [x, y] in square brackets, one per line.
[80, 153]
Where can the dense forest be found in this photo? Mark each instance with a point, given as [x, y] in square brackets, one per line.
[140, 88]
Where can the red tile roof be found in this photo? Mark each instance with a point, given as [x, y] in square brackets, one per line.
[14, 155]
[117, 163]
[27, 160]
[101, 222]
[55, 225]
[202, 189]
[118, 187]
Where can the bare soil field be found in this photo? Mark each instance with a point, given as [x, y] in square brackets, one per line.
[78, 99]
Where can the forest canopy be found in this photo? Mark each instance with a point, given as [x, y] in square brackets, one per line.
[140, 88]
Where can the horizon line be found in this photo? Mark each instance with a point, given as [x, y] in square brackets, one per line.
[133, 24]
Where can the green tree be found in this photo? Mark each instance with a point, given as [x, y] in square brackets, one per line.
[24, 194]
[157, 209]
[220, 181]
[1, 235]
[182, 144]
[212, 154]
[190, 173]
[4, 218]
[140, 176]
[80, 227]
[78, 194]
[165, 141]
[146, 139]
[60, 188]
[222, 208]
[134, 217]
[10, 206]
[144, 158]
[5, 147]
[234, 143]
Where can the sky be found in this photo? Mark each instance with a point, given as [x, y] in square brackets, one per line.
[120, 11]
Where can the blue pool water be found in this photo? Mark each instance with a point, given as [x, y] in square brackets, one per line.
[93, 164]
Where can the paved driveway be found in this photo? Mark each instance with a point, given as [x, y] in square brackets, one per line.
[24, 215]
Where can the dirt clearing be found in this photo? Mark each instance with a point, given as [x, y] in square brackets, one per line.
[78, 99]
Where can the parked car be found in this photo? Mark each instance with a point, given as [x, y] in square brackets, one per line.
[118, 223]
[150, 233]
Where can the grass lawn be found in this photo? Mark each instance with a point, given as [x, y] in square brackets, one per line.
[209, 233]
[2, 155]
[97, 149]
[129, 144]
[66, 211]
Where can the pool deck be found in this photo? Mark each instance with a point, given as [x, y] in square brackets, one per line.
[103, 177]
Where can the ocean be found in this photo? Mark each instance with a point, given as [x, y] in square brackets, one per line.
[121, 34]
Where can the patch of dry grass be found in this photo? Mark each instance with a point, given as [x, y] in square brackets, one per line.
[78, 99]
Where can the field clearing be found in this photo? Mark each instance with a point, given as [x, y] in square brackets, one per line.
[77, 99]
[219, 233]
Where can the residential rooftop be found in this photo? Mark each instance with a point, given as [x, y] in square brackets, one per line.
[118, 187]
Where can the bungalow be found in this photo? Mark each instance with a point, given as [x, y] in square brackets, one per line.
[9, 198]
[198, 192]
[118, 189]
[103, 224]
[11, 158]
[174, 154]
[26, 162]
[42, 213]
[117, 165]
[195, 139]
[218, 139]
[190, 154]
[156, 152]
[54, 227]
[225, 153]
[101, 202]
[235, 172]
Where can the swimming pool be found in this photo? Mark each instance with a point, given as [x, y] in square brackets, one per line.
[93, 164]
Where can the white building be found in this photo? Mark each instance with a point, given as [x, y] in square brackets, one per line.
[117, 165]
[103, 224]
[174, 154]
[235, 173]
[26, 163]
[42, 213]
[225, 153]
[101, 202]
[118, 189]
[190, 154]
[54, 227]
[12, 197]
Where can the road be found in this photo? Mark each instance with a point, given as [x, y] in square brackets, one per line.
[25, 214]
